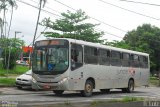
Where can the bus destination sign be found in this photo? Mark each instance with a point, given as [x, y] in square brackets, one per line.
[50, 42]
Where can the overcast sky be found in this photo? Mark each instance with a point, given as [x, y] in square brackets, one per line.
[24, 18]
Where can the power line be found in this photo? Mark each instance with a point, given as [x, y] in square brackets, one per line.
[42, 10]
[141, 2]
[129, 10]
[110, 33]
[46, 7]
[38, 36]
[74, 10]
[37, 8]
[65, 5]
[92, 17]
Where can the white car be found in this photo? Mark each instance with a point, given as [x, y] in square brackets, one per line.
[24, 80]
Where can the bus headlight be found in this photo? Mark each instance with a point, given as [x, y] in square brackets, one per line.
[63, 80]
[33, 80]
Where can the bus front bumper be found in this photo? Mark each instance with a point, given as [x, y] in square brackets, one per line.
[61, 85]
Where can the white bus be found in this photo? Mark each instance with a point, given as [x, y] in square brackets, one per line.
[67, 64]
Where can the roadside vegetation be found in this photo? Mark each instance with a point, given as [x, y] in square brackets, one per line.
[128, 99]
[7, 78]
[154, 81]
[7, 82]
[19, 69]
[104, 103]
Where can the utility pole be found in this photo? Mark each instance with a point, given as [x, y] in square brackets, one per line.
[16, 37]
[40, 8]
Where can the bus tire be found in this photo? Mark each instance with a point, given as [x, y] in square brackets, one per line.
[88, 89]
[105, 90]
[130, 87]
[58, 92]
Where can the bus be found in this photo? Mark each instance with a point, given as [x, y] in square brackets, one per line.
[63, 64]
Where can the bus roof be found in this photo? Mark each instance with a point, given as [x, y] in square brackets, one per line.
[98, 45]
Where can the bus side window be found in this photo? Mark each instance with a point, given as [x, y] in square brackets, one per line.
[115, 58]
[76, 56]
[125, 60]
[104, 57]
[90, 55]
[145, 61]
[135, 60]
[141, 62]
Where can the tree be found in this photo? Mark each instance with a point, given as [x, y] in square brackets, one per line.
[118, 44]
[72, 25]
[4, 5]
[145, 38]
[13, 57]
[15, 50]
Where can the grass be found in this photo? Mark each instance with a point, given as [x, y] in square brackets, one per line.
[95, 103]
[154, 81]
[67, 103]
[19, 69]
[127, 99]
[10, 81]
[131, 99]
[7, 81]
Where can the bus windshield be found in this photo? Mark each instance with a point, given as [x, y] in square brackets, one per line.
[50, 60]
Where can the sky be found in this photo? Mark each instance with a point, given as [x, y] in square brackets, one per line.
[25, 16]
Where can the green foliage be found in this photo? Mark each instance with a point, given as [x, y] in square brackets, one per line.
[13, 57]
[145, 38]
[72, 25]
[11, 42]
[14, 47]
[96, 103]
[154, 81]
[131, 99]
[19, 69]
[118, 44]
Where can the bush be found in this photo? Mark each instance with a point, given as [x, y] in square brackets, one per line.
[13, 57]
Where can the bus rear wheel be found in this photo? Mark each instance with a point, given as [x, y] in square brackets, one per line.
[58, 92]
[88, 89]
[130, 87]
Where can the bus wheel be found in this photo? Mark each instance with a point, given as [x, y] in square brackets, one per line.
[105, 90]
[88, 89]
[130, 86]
[58, 92]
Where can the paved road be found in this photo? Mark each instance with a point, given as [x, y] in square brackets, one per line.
[25, 96]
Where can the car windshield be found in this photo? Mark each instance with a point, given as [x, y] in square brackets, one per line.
[29, 72]
[50, 60]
